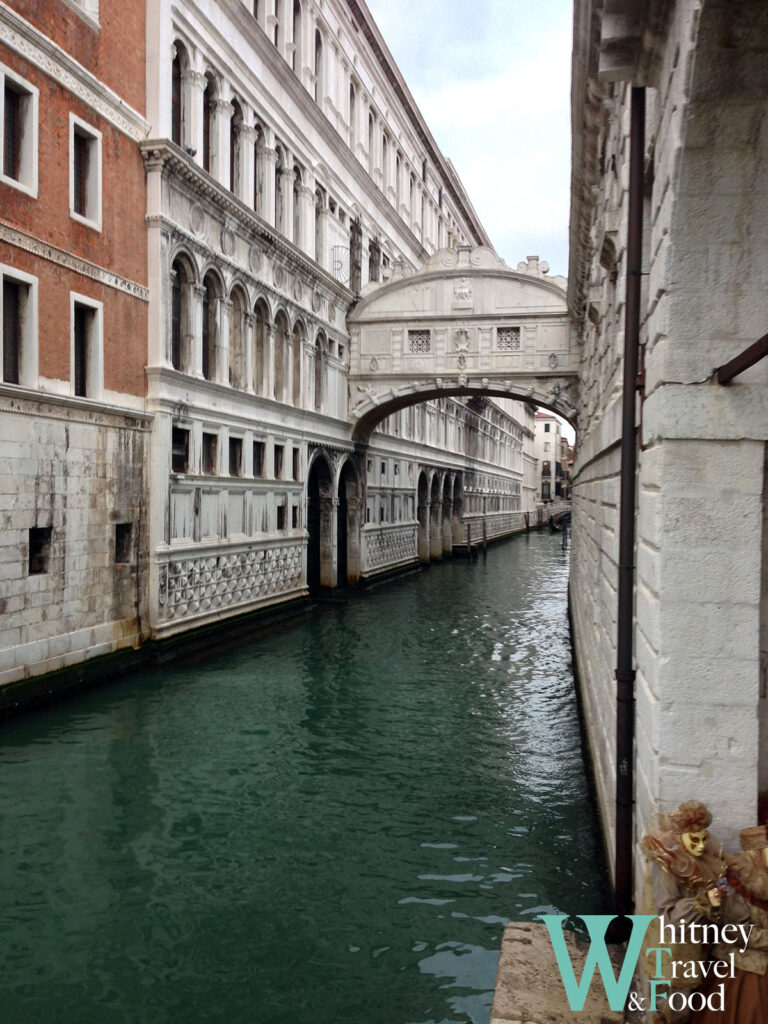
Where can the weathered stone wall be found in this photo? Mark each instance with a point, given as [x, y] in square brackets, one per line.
[699, 598]
[78, 472]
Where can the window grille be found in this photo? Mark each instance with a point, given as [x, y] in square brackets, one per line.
[508, 339]
[419, 341]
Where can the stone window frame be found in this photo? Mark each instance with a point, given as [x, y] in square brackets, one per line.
[95, 353]
[29, 351]
[81, 128]
[27, 181]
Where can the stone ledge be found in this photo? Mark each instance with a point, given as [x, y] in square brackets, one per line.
[528, 985]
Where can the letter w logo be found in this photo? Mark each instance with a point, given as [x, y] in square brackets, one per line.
[598, 956]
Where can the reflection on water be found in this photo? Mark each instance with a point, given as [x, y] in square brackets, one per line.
[330, 825]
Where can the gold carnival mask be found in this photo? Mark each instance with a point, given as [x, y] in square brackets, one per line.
[694, 842]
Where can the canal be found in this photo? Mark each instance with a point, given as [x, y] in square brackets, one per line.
[328, 826]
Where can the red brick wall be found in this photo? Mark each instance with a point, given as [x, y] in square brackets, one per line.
[125, 322]
[115, 53]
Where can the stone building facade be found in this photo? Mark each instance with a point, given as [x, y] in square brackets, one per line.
[701, 590]
[74, 436]
[179, 438]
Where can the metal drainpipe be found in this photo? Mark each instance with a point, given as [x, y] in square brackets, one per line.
[625, 673]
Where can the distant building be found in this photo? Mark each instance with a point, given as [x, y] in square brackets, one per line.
[549, 453]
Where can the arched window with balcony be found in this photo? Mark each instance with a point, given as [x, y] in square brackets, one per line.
[318, 66]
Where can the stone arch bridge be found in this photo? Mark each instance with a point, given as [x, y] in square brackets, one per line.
[464, 324]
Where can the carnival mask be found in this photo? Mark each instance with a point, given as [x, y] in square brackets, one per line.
[694, 842]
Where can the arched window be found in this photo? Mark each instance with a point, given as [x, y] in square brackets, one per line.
[179, 314]
[210, 293]
[281, 356]
[398, 179]
[258, 171]
[411, 197]
[298, 345]
[319, 372]
[352, 117]
[296, 58]
[279, 189]
[371, 136]
[261, 315]
[297, 182]
[384, 163]
[235, 136]
[176, 99]
[276, 35]
[319, 209]
[318, 66]
[237, 340]
[209, 98]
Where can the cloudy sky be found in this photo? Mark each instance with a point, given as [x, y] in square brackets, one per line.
[492, 79]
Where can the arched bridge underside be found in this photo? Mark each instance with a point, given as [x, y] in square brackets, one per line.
[465, 324]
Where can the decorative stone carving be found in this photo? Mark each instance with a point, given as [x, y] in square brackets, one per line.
[199, 585]
[254, 258]
[461, 338]
[317, 301]
[374, 364]
[462, 292]
[227, 240]
[552, 360]
[298, 289]
[388, 547]
[196, 220]
[279, 276]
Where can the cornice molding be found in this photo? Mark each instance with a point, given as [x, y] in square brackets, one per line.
[22, 37]
[38, 247]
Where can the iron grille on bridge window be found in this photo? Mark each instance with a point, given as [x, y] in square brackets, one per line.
[508, 339]
[419, 341]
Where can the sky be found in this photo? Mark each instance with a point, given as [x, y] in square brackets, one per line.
[492, 79]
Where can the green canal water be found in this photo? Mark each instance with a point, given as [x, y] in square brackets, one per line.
[327, 826]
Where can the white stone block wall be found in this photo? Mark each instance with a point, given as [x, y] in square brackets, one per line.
[701, 591]
[78, 469]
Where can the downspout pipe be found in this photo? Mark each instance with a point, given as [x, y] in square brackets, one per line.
[625, 673]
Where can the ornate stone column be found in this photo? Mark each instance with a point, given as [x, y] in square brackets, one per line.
[222, 117]
[285, 227]
[221, 341]
[436, 532]
[269, 164]
[247, 162]
[193, 83]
